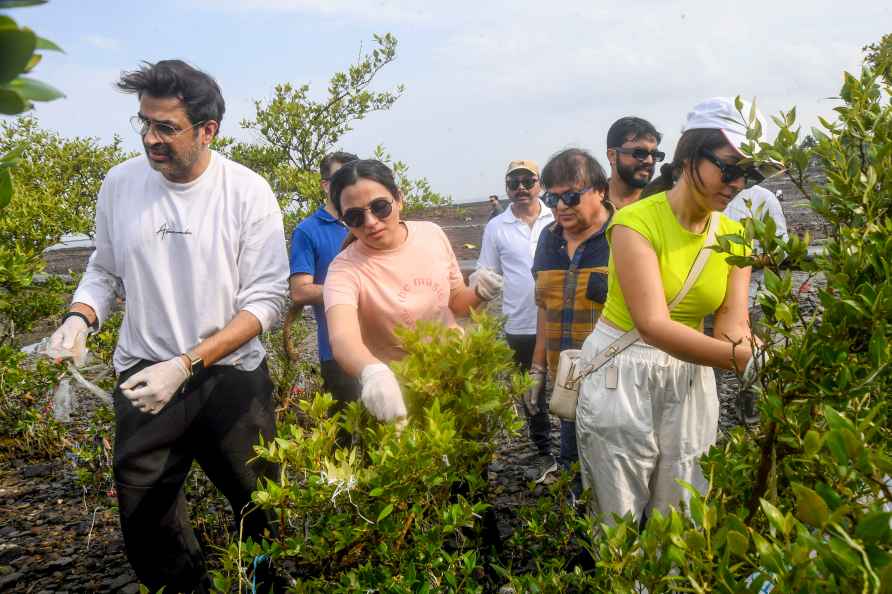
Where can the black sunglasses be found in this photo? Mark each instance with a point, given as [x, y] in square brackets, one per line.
[379, 207]
[515, 182]
[641, 154]
[732, 171]
[570, 198]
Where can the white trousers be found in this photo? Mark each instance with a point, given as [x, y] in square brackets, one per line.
[637, 438]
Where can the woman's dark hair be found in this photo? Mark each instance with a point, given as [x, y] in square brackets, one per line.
[572, 166]
[352, 172]
[198, 91]
[688, 152]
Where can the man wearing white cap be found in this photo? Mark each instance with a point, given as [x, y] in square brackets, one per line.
[645, 417]
[509, 243]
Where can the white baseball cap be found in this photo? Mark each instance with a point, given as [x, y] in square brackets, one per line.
[721, 113]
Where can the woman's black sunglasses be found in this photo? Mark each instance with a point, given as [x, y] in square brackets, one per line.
[730, 171]
[379, 207]
[569, 198]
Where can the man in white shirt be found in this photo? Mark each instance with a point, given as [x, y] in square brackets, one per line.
[195, 243]
[756, 202]
[509, 243]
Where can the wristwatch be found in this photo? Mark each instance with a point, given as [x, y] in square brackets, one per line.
[196, 363]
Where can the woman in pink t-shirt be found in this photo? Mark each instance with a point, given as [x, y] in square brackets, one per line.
[390, 273]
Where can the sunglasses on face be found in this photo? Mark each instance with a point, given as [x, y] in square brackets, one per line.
[570, 198]
[380, 208]
[515, 182]
[641, 155]
[732, 171]
[142, 126]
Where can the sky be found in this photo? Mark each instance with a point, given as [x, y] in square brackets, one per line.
[486, 82]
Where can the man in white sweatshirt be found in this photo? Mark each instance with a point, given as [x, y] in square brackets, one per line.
[195, 243]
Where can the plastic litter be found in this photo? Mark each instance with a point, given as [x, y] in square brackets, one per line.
[63, 401]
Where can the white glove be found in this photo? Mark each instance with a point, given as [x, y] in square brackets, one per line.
[756, 363]
[69, 341]
[153, 387]
[381, 393]
[486, 283]
[531, 396]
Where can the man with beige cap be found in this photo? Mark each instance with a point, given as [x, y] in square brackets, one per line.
[509, 243]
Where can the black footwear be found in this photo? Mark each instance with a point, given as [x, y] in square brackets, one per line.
[540, 468]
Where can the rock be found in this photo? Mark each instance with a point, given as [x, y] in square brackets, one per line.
[121, 581]
[36, 470]
[60, 563]
[10, 579]
[9, 551]
[130, 588]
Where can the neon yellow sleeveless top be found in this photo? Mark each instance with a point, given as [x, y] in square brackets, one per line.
[676, 250]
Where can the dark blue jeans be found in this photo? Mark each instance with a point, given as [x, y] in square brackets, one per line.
[539, 424]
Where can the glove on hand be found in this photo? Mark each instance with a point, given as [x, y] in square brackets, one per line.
[486, 283]
[750, 373]
[531, 396]
[69, 341]
[153, 387]
[381, 393]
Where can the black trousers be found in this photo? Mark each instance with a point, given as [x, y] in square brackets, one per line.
[539, 424]
[215, 420]
[343, 388]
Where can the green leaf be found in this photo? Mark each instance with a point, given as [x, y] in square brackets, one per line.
[4, 4]
[836, 420]
[5, 188]
[16, 47]
[388, 509]
[812, 443]
[738, 543]
[775, 517]
[35, 90]
[810, 508]
[874, 527]
[11, 102]
[376, 492]
[46, 44]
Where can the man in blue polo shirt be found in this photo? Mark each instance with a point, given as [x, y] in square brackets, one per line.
[314, 244]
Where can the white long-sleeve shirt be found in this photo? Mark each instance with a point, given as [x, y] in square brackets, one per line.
[508, 247]
[188, 257]
[762, 201]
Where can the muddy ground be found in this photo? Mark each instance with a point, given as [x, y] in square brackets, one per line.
[56, 536]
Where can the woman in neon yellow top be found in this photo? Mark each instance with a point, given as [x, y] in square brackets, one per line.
[644, 419]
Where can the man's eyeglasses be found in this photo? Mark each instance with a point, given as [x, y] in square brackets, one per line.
[570, 198]
[732, 171]
[641, 155]
[142, 126]
[515, 182]
[379, 207]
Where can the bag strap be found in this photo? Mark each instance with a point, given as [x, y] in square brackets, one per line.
[630, 337]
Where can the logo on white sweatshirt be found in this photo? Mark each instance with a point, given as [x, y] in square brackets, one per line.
[168, 229]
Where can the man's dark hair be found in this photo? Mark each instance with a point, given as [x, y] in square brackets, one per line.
[331, 158]
[572, 166]
[198, 91]
[630, 128]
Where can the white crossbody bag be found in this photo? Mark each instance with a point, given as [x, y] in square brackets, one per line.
[569, 377]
